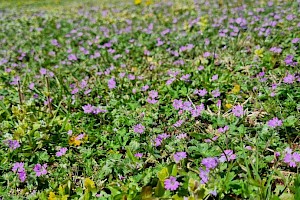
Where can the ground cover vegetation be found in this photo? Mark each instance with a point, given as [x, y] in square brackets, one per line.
[150, 100]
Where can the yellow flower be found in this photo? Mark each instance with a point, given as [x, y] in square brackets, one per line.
[52, 196]
[236, 89]
[259, 52]
[89, 184]
[149, 2]
[228, 105]
[74, 141]
[137, 2]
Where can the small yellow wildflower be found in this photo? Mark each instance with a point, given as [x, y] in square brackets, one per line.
[137, 2]
[228, 105]
[259, 52]
[74, 141]
[236, 89]
[149, 2]
[89, 184]
[52, 196]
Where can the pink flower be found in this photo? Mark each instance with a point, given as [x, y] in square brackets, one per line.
[292, 159]
[111, 83]
[139, 128]
[238, 111]
[40, 169]
[215, 77]
[210, 163]
[171, 183]
[289, 79]
[61, 152]
[88, 108]
[153, 94]
[177, 104]
[179, 156]
[138, 155]
[227, 156]
[274, 122]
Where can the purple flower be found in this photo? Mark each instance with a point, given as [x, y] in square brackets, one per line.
[75, 90]
[206, 54]
[179, 156]
[153, 94]
[98, 110]
[88, 108]
[187, 105]
[204, 175]
[170, 81]
[40, 169]
[61, 152]
[178, 123]
[238, 110]
[177, 104]
[223, 130]
[131, 76]
[215, 93]
[43, 71]
[215, 77]
[210, 163]
[274, 122]
[152, 101]
[80, 136]
[292, 159]
[289, 60]
[31, 86]
[13, 144]
[185, 77]
[70, 132]
[18, 166]
[139, 128]
[111, 83]
[181, 136]
[157, 141]
[289, 79]
[22, 175]
[202, 92]
[72, 57]
[219, 103]
[295, 40]
[197, 111]
[213, 192]
[200, 68]
[138, 155]
[146, 87]
[228, 154]
[163, 136]
[171, 183]
[276, 50]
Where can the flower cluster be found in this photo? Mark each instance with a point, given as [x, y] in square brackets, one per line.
[275, 122]
[88, 109]
[19, 168]
[188, 106]
[152, 97]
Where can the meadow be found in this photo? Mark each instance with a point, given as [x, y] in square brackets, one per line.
[149, 100]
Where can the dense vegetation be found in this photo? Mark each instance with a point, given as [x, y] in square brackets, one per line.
[149, 100]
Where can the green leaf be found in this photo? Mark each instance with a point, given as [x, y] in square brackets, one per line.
[130, 155]
[163, 174]
[174, 170]
[159, 190]
[290, 121]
